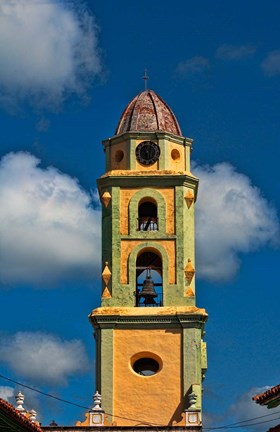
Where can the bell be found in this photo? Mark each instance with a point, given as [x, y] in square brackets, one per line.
[148, 290]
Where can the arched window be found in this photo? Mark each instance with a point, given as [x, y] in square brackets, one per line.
[147, 215]
[149, 280]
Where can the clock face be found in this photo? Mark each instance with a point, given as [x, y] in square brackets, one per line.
[147, 152]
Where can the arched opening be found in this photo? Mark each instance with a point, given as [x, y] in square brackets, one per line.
[149, 290]
[147, 215]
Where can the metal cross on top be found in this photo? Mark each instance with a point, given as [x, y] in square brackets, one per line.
[145, 78]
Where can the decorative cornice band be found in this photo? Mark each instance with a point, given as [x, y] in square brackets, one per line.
[181, 321]
[157, 135]
[144, 180]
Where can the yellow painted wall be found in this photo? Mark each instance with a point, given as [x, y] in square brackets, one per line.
[127, 194]
[170, 209]
[154, 399]
[114, 164]
[127, 247]
[140, 167]
[176, 159]
[125, 197]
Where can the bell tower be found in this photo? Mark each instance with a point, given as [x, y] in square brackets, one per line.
[150, 354]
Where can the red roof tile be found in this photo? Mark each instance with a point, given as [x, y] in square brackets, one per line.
[13, 414]
[148, 112]
[262, 398]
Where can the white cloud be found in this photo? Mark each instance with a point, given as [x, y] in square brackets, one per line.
[48, 229]
[31, 400]
[246, 409]
[48, 50]
[42, 357]
[50, 232]
[193, 65]
[232, 218]
[232, 52]
[271, 64]
[7, 393]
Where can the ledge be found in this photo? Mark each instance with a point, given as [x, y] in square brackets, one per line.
[148, 311]
[137, 173]
[121, 428]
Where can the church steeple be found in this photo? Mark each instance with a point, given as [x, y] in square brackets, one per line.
[148, 328]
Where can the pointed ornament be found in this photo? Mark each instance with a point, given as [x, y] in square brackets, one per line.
[33, 416]
[189, 198]
[106, 274]
[106, 293]
[106, 198]
[20, 401]
[189, 292]
[189, 271]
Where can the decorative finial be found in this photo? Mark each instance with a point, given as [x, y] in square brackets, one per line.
[145, 78]
[192, 397]
[97, 401]
[96, 414]
[20, 401]
[33, 416]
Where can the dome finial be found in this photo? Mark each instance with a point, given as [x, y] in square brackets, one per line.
[145, 78]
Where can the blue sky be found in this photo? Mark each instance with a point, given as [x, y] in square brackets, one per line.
[67, 71]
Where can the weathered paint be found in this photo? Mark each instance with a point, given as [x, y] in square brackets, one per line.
[170, 311]
[128, 142]
[148, 112]
[127, 246]
[141, 167]
[129, 202]
[114, 162]
[173, 332]
[146, 399]
[172, 335]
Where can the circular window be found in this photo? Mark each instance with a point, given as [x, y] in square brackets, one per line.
[175, 154]
[119, 156]
[146, 366]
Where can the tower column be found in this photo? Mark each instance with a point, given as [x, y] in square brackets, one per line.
[192, 362]
[150, 355]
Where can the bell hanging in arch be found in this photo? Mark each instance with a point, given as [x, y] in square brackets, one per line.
[148, 290]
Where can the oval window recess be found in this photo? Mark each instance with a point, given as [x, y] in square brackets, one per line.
[146, 366]
[119, 156]
[175, 154]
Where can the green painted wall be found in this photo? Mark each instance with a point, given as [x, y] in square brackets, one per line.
[106, 369]
[174, 294]
[147, 185]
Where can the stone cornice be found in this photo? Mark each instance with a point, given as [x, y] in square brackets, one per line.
[155, 317]
[149, 235]
[118, 178]
[149, 174]
[158, 135]
[120, 428]
[150, 311]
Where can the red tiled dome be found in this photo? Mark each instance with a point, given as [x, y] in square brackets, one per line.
[148, 112]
